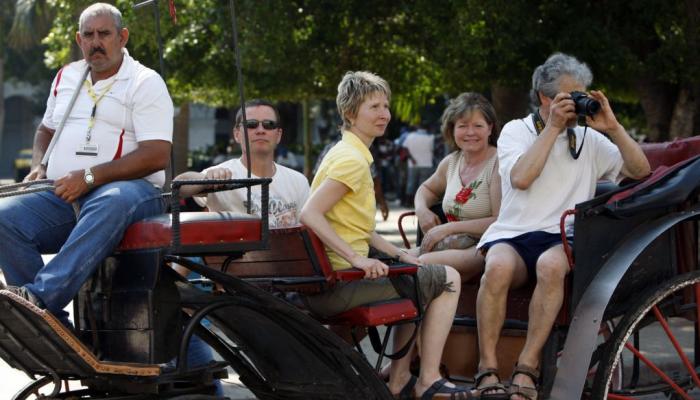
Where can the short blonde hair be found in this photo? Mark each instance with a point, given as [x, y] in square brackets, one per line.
[463, 106]
[354, 88]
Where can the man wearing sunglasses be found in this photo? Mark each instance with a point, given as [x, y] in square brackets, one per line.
[289, 189]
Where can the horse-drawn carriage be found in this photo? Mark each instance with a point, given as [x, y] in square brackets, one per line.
[635, 280]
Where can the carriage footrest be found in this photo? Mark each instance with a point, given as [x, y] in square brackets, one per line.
[376, 314]
[34, 341]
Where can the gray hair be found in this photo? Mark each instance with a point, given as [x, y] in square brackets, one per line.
[100, 9]
[354, 88]
[545, 79]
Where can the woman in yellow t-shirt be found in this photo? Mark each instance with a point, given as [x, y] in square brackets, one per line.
[341, 212]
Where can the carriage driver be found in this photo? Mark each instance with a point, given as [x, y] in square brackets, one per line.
[108, 160]
[547, 165]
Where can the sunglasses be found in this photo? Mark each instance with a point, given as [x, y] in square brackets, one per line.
[266, 123]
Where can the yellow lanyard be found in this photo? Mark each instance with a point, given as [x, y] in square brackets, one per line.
[96, 100]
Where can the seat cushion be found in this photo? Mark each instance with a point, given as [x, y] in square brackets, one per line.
[196, 228]
[376, 314]
[354, 274]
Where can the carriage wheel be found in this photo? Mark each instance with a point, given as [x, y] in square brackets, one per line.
[656, 342]
[33, 388]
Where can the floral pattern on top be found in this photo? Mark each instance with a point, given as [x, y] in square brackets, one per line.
[462, 197]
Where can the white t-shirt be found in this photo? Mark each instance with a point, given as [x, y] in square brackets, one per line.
[136, 108]
[563, 183]
[288, 192]
[420, 146]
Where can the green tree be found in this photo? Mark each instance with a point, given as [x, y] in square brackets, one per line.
[22, 25]
[643, 53]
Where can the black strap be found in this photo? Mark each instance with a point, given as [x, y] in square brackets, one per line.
[570, 134]
[376, 342]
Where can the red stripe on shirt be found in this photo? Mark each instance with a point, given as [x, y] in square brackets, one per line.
[118, 154]
[58, 79]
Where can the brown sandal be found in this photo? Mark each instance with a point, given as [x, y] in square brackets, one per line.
[528, 392]
[490, 391]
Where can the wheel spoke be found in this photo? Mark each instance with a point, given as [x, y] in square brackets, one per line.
[676, 345]
[658, 372]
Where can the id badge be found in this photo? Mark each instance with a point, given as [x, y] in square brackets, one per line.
[87, 149]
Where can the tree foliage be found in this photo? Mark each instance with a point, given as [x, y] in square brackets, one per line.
[643, 52]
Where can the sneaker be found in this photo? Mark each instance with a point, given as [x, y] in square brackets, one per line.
[24, 293]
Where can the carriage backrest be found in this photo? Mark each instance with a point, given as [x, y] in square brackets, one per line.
[670, 153]
[294, 261]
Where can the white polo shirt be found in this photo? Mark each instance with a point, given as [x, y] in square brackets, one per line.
[136, 108]
[563, 183]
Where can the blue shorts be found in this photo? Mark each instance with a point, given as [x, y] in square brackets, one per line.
[529, 246]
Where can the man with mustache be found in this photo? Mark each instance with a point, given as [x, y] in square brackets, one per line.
[289, 189]
[107, 166]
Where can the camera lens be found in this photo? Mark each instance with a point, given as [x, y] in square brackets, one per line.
[584, 104]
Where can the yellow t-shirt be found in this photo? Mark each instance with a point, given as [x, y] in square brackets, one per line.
[352, 217]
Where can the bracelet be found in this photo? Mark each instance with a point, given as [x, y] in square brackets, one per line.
[400, 253]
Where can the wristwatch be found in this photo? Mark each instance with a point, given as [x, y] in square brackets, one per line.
[89, 177]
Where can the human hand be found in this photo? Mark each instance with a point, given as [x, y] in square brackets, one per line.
[384, 208]
[38, 172]
[373, 268]
[218, 173]
[433, 236]
[409, 257]
[426, 219]
[562, 112]
[71, 186]
[604, 120]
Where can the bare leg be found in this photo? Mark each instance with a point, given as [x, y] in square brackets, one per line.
[436, 326]
[399, 370]
[546, 301]
[468, 262]
[504, 269]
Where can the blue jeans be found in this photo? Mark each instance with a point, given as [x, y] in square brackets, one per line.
[42, 223]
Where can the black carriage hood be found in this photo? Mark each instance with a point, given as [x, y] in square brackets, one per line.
[666, 187]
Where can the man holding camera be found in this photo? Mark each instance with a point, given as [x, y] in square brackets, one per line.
[548, 164]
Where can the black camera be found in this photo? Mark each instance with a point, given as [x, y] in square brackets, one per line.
[584, 104]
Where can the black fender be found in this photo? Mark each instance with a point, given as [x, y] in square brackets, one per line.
[279, 351]
[578, 348]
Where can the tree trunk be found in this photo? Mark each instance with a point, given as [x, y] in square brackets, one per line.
[683, 115]
[657, 99]
[181, 129]
[306, 132]
[510, 103]
[692, 29]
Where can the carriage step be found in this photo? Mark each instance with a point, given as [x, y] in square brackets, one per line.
[513, 324]
[34, 341]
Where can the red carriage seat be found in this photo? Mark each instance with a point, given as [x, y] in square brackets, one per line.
[197, 229]
[296, 261]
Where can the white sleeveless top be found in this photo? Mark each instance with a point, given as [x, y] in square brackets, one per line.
[474, 201]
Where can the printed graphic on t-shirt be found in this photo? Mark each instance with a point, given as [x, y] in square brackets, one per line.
[282, 214]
